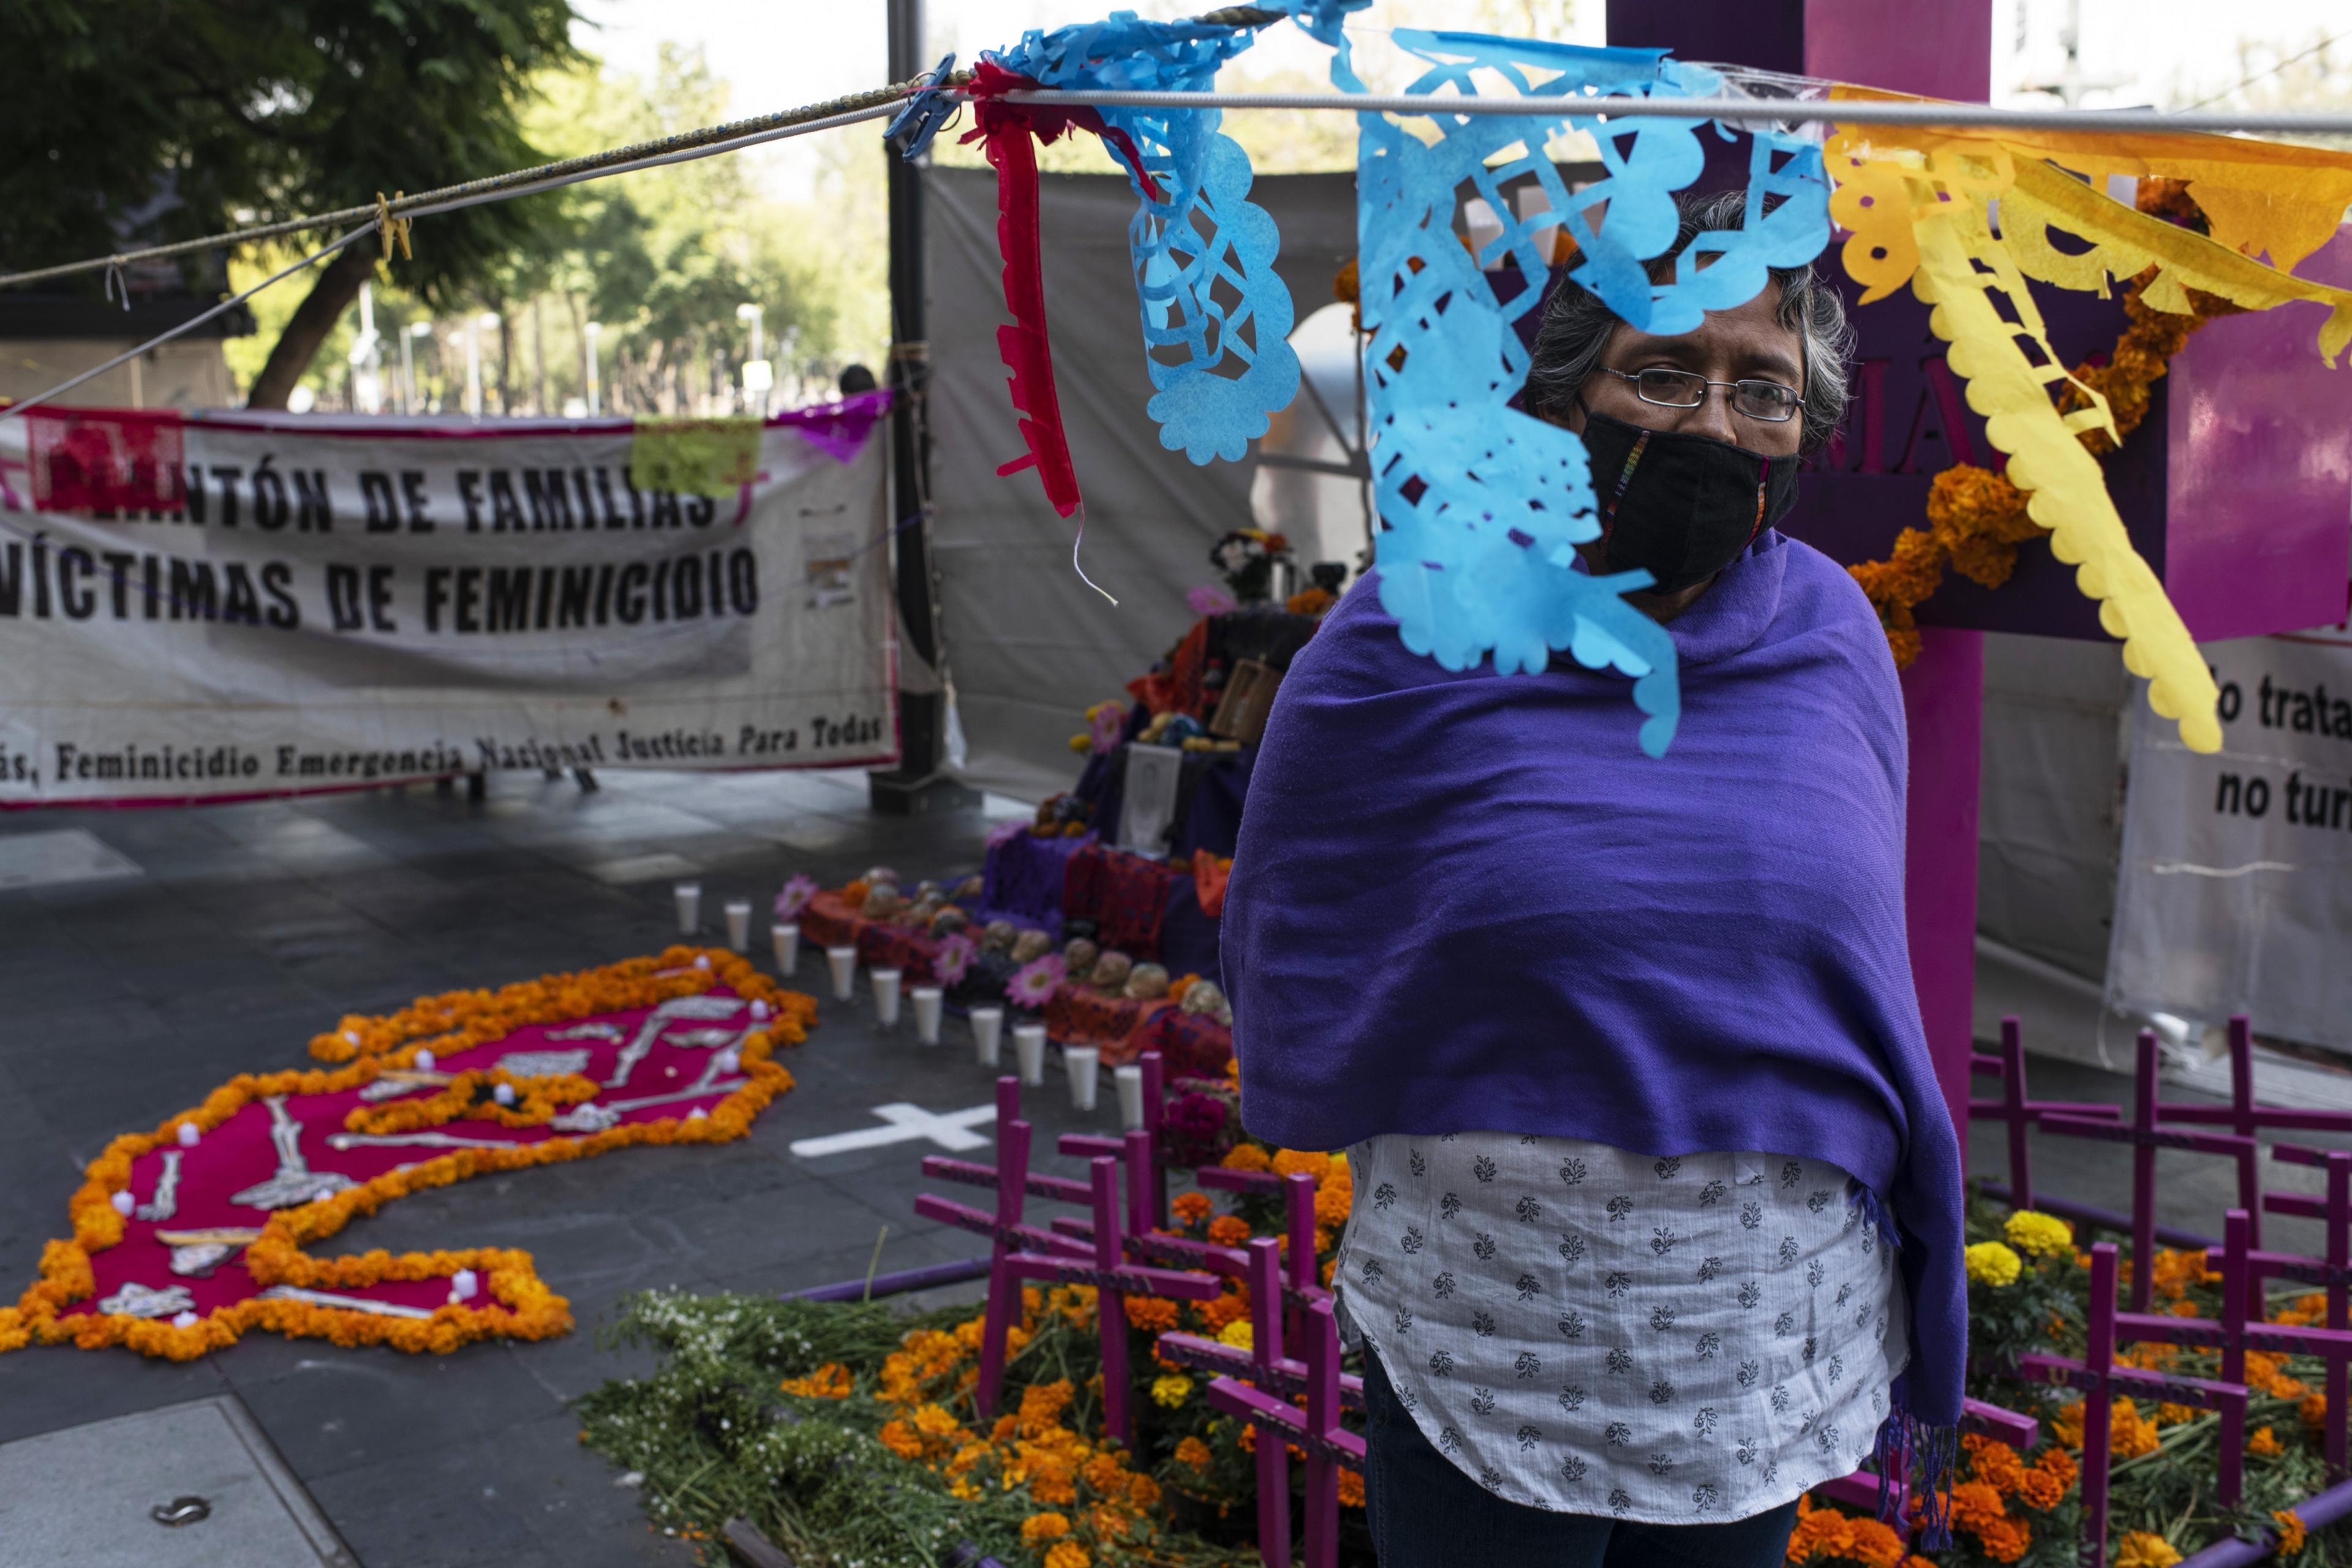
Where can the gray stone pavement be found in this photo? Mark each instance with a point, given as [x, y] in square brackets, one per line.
[253, 926]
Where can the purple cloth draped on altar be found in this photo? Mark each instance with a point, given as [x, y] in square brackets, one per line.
[1022, 878]
[1468, 901]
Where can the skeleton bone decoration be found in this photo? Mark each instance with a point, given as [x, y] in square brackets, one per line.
[136, 1300]
[545, 1064]
[595, 1118]
[166, 1202]
[699, 1008]
[597, 1031]
[199, 1260]
[295, 1182]
[353, 1303]
[703, 1040]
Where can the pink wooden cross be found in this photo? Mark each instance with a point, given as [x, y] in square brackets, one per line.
[2146, 1136]
[2101, 1379]
[1021, 1252]
[1262, 1403]
[1146, 1204]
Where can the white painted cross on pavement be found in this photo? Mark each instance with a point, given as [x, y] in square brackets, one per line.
[904, 1124]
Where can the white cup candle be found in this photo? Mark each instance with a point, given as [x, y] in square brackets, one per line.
[886, 996]
[927, 1000]
[739, 924]
[987, 1034]
[786, 935]
[1084, 1063]
[1029, 1050]
[689, 908]
[1130, 1096]
[842, 962]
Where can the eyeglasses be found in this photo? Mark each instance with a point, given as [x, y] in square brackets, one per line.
[1766, 400]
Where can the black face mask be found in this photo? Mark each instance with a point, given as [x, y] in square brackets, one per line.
[1682, 507]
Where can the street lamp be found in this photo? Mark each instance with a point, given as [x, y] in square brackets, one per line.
[594, 331]
[473, 360]
[408, 363]
[758, 375]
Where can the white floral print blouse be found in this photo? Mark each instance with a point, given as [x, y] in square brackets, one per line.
[1674, 1340]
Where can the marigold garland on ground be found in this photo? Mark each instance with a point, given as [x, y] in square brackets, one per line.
[448, 1024]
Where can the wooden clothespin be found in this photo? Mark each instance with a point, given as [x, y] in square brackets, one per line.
[391, 229]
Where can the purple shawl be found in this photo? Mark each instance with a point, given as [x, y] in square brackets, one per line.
[1468, 902]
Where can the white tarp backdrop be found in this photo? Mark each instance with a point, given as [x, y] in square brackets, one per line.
[353, 600]
[1029, 647]
[2236, 888]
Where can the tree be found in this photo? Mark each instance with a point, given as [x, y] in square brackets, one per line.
[236, 110]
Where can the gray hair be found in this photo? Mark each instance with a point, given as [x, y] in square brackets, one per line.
[1577, 326]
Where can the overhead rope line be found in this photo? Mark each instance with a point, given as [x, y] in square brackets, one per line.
[711, 140]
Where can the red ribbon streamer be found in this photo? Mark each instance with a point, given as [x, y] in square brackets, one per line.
[1005, 129]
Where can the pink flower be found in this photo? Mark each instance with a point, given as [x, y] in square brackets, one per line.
[795, 897]
[1209, 599]
[1033, 984]
[954, 959]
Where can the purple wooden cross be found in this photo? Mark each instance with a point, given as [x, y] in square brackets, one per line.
[1267, 1409]
[2020, 1113]
[2336, 1210]
[2101, 1379]
[2146, 1136]
[2242, 1115]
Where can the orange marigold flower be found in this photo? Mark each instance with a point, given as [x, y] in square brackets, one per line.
[2167, 1414]
[1300, 1162]
[2141, 1549]
[1246, 1157]
[1194, 1454]
[1228, 1230]
[1975, 1505]
[1041, 1527]
[1996, 1464]
[2290, 1532]
[901, 1440]
[2003, 1540]
[2058, 1463]
[1067, 1553]
[831, 1380]
[1142, 1491]
[2039, 1490]
[1153, 1314]
[2265, 1443]
[1352, 1490]
[1190, 1208]
[2313, 1410]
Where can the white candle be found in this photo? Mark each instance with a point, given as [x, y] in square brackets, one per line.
[786, 934]
[842, 962]
[1130, 1096]
[1084, 1063]
[1029, 1050]
[926, 999]
[739, 924]
[987, 1034]
[689, 907]
[886, 996]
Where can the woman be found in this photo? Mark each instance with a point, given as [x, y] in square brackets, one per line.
[1657, 1206]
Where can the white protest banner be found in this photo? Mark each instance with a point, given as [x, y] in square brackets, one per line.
[237, 604]
[2236, 887]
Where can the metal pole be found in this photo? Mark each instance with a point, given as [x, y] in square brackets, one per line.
[911, 786]
[595, 404]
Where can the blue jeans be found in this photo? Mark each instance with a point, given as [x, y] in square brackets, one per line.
[1427, 1513]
